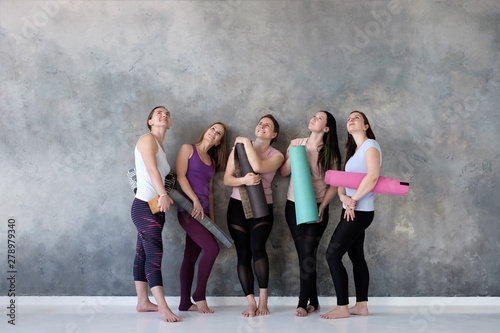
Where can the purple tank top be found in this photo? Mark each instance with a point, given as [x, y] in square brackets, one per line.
[199, 175]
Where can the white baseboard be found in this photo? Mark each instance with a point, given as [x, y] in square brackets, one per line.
[437, 301]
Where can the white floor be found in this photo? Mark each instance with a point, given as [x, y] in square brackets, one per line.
[117, 314]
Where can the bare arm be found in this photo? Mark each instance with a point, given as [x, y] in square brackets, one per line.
[342, 196]
[329, 195]
[211, 213]
[148, 148]
[231, 180]
[258, 165]
[181, 166]
[286, 169]
[372, 157]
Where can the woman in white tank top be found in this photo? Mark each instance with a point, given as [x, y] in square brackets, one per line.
[151, 168]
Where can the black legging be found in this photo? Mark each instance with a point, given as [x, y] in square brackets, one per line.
[306, 238]
[250, 236]
[349, 237]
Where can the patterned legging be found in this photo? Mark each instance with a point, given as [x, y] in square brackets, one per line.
[149, 250]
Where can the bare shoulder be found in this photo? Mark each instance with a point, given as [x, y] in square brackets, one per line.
[146, 139]
[186, 151]
[146, 143]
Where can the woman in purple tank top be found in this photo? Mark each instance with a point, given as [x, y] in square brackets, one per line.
[195, 166]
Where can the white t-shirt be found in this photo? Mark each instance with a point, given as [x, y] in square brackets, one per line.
[357, 163]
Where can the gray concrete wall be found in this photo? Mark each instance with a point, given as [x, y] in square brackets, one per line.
[78, 78]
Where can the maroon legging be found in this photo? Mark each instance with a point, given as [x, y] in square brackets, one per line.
[197, 238]
[149, 250]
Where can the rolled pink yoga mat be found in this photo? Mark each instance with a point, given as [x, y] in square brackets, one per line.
[384, 185]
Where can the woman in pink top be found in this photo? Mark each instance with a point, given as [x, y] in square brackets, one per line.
[323, 154]
[250, 235]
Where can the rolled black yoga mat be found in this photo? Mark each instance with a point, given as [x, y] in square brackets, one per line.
[181, 200]
[210, 225]
[256, 194]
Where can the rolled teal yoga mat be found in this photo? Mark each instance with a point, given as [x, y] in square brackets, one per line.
[306, 209]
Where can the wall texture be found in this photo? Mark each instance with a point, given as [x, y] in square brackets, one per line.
[78, 78]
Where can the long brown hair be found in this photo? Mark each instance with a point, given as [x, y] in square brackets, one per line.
[351, 143]
[329, 153]
[218, 153]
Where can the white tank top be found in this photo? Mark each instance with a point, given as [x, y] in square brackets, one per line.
[145, 188]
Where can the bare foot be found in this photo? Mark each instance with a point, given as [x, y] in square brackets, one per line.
[337, 313]
[301, 312]
[311, 308]
[193, 307]
[262, 310]
[251, 310]
[167, 315]
[147, 307]
[203, 307]
[360, 309]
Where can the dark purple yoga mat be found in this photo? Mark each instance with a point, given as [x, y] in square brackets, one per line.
[256, 194]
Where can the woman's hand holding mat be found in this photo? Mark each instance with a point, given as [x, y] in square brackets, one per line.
[384, 185]
[256, 195]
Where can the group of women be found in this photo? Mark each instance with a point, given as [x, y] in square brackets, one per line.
[196, 165]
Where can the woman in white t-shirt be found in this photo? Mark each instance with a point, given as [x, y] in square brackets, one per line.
[363, 156]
